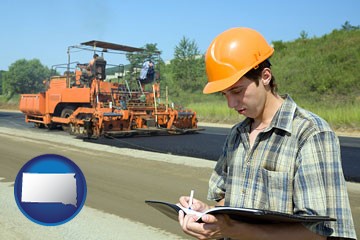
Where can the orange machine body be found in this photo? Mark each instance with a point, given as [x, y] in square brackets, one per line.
[92, 107]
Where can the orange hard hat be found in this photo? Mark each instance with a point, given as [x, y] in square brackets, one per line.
[231, 55]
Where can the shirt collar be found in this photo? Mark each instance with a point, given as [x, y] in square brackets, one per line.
[282, 119]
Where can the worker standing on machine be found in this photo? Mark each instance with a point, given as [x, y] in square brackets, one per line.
[147, 74]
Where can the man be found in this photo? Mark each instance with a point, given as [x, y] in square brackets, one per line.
[281, 157]
[92, 61]
[88, 70]
[147, 73]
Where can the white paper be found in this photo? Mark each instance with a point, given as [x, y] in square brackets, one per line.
[49, 188]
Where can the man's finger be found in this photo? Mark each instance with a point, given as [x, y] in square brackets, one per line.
[181, 217]
[208, 218]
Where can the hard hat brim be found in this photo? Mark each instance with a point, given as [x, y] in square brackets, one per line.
[220, 85]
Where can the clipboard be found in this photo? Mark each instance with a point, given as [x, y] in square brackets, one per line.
[249, 215]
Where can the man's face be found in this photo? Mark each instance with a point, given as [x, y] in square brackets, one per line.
[246, 98]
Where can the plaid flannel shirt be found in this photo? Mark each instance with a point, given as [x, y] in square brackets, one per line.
[293, 167]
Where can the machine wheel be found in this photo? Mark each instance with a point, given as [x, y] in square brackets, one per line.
[51, 126]
[174, 132]
[39, 125]
[65, 113]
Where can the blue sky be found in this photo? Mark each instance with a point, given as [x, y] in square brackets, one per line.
[44, 29]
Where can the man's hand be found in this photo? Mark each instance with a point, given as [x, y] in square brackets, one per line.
[212, 227]
[221, 226]
[197, 205]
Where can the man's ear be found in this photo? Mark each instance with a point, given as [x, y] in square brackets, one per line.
[266, 76]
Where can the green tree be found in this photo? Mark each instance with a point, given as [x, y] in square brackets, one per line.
[24, 76]
[348, 27]
[1, 81]
[188, 66]
[279, 45]
[304, 35]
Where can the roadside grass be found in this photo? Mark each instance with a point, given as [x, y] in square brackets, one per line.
[216, 112]
[12, 103]
[339, 116]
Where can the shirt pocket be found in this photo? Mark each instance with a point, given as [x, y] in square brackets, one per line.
[277, 190]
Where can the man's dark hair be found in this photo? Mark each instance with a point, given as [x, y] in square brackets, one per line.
[95, 55]
[255, 74]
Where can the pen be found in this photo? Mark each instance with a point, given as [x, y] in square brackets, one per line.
[191, 198]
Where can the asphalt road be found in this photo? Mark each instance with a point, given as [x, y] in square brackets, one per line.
[205, 144]
[117, 186]
[118, 182]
